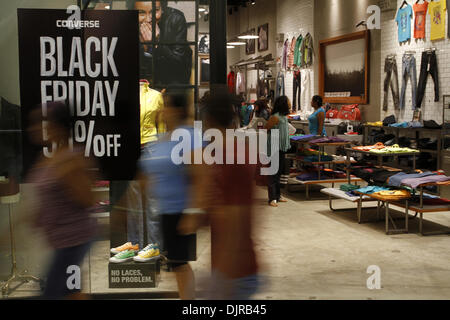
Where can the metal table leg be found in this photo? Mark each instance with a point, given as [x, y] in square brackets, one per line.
[359, 209]
[406, 216]
[387, 217]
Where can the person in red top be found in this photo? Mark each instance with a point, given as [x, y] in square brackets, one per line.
[225, 191]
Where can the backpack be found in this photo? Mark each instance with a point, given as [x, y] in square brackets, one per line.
[350, 112]
[332, 113]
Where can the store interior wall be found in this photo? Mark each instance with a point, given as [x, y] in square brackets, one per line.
[333, 18]
[248, 18]
[295, 17]
[431, 110]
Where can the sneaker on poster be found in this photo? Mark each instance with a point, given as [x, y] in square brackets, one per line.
[126, 246]
[147, 255]
[123, 256]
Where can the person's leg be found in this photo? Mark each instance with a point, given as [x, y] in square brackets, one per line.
[279, 173]
[57, 276]
[272, 187]
[185, 281]
[135, 219]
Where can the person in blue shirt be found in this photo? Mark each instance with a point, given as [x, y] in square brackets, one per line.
[317, 119]
[169, 183]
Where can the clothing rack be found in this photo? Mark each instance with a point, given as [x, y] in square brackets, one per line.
[259, 64]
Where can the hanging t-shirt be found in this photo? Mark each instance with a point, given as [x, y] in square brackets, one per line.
[436, 9]
[404, 23]
[420, 13]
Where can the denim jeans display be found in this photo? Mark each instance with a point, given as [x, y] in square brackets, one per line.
[279, 90]
[409, 72]
[428, 66]
[297, 84]
[390, 67]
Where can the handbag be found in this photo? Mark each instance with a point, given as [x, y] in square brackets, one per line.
[350, 112]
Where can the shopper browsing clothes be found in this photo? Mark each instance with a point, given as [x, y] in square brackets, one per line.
[63, 186]
[278, 120]
[317, 119]
[225, 192]
[170, 185]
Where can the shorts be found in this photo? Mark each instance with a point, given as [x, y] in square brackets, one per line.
[178, 247]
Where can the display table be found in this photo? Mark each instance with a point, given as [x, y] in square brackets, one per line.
[295, 181]
[380, 156]
[386, 201]
[334, 193]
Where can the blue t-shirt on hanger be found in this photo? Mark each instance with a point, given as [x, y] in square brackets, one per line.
[404, 17]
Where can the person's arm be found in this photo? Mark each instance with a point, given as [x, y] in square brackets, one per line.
[321, 122]
[175, 53]
[273, 121]
[76, 178]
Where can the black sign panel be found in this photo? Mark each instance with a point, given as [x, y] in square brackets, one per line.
[91, 61]
[134, 275]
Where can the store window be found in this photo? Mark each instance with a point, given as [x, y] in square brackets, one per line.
[168, 46]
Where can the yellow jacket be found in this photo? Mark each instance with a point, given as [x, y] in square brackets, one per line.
[152, 104]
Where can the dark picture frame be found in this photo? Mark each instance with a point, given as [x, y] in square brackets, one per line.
[345, 79]
[203, 43]
[250, 47]
[263, 41]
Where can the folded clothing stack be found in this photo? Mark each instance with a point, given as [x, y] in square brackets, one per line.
[394, 149]
[327, 140]
[417, 179]
[349, 187]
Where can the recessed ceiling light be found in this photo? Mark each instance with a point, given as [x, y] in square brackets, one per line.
[248, 37]
[236, 43]
[231, 47]
[201, 9]
[108, 7]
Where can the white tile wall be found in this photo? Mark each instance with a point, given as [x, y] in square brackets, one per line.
[293, 15]
[389, 44]
[283, 16]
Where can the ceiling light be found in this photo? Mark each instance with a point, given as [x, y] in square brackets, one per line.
[108, 7]
[201, 9]
[253, 2]
[231, 47]
[236, 43]
[248, 37]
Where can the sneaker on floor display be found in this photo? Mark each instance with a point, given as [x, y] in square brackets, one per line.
[126, 246]
[123, 256]
[147, 255]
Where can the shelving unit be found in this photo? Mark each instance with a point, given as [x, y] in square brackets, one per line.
[403, 132]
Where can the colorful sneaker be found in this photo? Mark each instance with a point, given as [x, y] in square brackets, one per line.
[149, 246]
[147, 255]
[126, 246]
[123, 256]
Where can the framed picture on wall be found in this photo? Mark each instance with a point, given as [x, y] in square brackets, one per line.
[263, 41]
[344, 68]
[250, 47]
[203, 43]
[204, 70]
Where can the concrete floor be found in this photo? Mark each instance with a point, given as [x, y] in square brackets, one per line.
[308, 252]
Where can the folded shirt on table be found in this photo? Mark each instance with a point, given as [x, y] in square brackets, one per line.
[399, 125]
[315, 158]
[414, 183]
[303, 138]
[371, 189]
[394, 149]
[328, 140]
[396, 180]
[349, 187]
